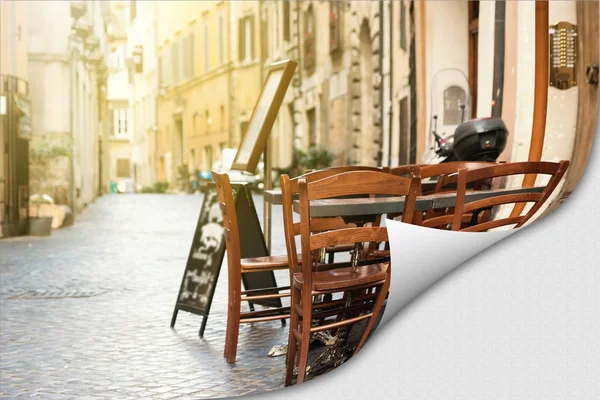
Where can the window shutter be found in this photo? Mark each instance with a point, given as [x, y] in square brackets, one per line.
[265, 36]
[402, 25]
[286, 20]
[252, 50]
[221, 40]
[175, 63]
[241, 40]
[186, 57]
[192, 40]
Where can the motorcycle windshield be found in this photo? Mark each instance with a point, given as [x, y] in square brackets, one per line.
[450, 105]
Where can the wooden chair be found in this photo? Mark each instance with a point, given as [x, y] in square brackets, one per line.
[310, 176]
[469, 211]
[236, 267]
[441, 171]
[309, 279]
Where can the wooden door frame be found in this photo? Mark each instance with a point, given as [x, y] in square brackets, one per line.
[473, 27]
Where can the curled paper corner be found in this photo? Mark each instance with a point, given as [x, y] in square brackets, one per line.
[421, 256]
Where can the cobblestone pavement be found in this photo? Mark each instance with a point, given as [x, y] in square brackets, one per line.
[85, 312]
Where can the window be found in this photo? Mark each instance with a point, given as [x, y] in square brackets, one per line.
[132, 10]
[286, 20]
[123, 170]
[402, 25]
[246, 42]
[222, 117]
[117, 58]
[335, 31]
[221, 39]
[188, 56]
[121, 122]
[205, 47]
[276, 23]
[208, 120]
[243, 129]
[208, 161]
[165, 66]
[312, 127]
[192, 159]
[175, 76]
[266, 34]
[309, 39]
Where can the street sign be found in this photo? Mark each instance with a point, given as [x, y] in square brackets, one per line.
[208, 249]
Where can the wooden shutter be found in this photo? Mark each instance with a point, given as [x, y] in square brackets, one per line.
[252, 50]
[402, 25]
[241, 40]
[286, 20]
[175, 63]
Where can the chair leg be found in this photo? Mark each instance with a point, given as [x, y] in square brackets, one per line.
[305, 342]
[382, 293]
[292, 342]
[233, 326]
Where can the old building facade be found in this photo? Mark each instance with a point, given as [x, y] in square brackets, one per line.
[339, 98]
[143, 75]
[15, 114]
[67, 64]
[119, 97]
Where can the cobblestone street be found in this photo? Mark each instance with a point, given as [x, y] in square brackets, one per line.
[85, 312]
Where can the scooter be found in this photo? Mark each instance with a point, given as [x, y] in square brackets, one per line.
[482, 139]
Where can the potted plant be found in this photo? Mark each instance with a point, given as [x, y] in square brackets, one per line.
[40, 225]
[314, 159]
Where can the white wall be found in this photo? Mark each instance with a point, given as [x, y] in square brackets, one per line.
[485, 62]
[446, 45]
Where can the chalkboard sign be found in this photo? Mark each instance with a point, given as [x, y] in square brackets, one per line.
[208, 250]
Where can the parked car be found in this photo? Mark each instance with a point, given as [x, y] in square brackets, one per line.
[224, 163]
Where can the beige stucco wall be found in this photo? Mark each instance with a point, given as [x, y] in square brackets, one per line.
[13, 38]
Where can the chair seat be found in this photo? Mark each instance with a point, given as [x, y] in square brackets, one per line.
[344, 278]
[267, 263]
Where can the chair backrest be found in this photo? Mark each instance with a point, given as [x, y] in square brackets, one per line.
[230, 222]
[464, 177]
[349, 184]
[289, 188]
[440, 170]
